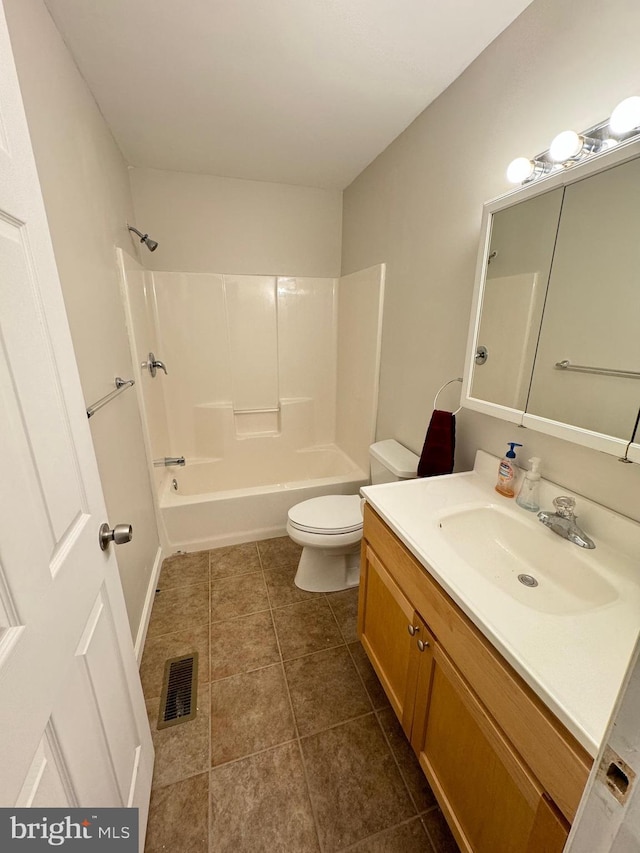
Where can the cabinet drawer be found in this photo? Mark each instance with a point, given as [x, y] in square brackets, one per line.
[555, 757]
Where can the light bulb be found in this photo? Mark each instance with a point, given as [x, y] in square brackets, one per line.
[608, 143]
[565, 146]
[626, 115]
[520, 170]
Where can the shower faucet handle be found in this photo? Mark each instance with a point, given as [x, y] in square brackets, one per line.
[154, 364]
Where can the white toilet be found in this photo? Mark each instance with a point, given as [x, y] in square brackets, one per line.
[330, 528]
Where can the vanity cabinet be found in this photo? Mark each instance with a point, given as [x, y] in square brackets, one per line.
[507, 774]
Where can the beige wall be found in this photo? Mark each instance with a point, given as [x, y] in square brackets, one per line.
[87, 198]
[205, 223]
[417, 207]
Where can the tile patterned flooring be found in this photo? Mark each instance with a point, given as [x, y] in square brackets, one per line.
[295, 748]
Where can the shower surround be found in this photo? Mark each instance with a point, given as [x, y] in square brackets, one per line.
[271, 394]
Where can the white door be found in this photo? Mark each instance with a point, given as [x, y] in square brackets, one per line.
[73, 727]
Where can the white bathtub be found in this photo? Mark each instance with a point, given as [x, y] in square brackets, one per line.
[222, 502]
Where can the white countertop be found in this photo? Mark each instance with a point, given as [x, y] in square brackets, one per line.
[575, 661]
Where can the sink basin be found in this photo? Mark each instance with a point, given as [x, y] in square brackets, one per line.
[501, 547]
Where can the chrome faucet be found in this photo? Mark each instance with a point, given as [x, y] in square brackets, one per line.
[563, 522]
[169, 460]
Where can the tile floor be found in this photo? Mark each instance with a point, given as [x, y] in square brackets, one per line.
[295, 748]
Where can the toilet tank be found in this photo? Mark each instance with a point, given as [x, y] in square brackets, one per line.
[390, 461]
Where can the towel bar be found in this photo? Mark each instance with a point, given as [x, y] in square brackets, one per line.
[565, 364]
[121, 385]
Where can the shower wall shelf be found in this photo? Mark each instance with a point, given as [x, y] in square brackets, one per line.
[121, 385]
[256, 411]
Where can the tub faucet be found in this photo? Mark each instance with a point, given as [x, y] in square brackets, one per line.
[169, 460]
[563, 522]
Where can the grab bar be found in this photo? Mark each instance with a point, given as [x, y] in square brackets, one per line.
[604, 371]
[166, 461]
[255, 411]
[121, 385]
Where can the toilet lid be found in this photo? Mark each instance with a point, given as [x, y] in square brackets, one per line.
[331, 513]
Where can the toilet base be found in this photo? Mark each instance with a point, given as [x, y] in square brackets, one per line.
[326, 571]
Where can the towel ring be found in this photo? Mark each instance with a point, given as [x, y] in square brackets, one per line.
[442, 387]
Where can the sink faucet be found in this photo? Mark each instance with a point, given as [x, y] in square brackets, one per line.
[563, 522]
[169, 460]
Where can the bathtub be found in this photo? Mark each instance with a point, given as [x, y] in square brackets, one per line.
[226, 502]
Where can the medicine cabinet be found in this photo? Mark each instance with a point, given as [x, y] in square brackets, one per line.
[554, 338]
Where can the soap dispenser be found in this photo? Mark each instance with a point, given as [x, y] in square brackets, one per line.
[528, 494]
[507, 471]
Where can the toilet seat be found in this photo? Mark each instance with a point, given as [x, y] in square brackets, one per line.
[328, 515]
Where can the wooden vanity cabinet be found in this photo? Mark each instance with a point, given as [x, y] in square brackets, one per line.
[507, 775]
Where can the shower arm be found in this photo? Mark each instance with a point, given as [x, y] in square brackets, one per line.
[152, 245]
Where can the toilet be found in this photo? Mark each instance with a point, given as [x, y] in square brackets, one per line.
[329, 528]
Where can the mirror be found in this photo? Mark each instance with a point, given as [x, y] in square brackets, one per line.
[515, 287]
[592, 313]
[557, 304]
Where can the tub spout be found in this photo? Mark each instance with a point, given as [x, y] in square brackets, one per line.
[169, 460]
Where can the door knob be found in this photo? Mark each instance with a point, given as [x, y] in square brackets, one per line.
[412, 630]
[422, 645]
[119, 534]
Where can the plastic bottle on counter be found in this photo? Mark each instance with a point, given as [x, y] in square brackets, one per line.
[528, 495]
[507, 471]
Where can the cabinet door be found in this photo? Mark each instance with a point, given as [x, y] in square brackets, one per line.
[388, 628]
[424, 650]
[491, 800]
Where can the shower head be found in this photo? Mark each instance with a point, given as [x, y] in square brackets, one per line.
[144, 238]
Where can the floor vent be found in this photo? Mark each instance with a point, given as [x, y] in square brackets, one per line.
[179, 691]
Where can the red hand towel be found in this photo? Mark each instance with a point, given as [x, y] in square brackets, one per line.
[439, 445]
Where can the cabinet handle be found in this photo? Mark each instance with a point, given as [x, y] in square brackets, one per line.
[412, 630]
[422, 645]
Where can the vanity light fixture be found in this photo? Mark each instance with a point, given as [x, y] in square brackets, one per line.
[565, 146]
[521, 170]
[626, 116]
[569, 147]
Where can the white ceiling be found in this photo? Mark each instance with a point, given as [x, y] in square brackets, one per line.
[295, 91]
